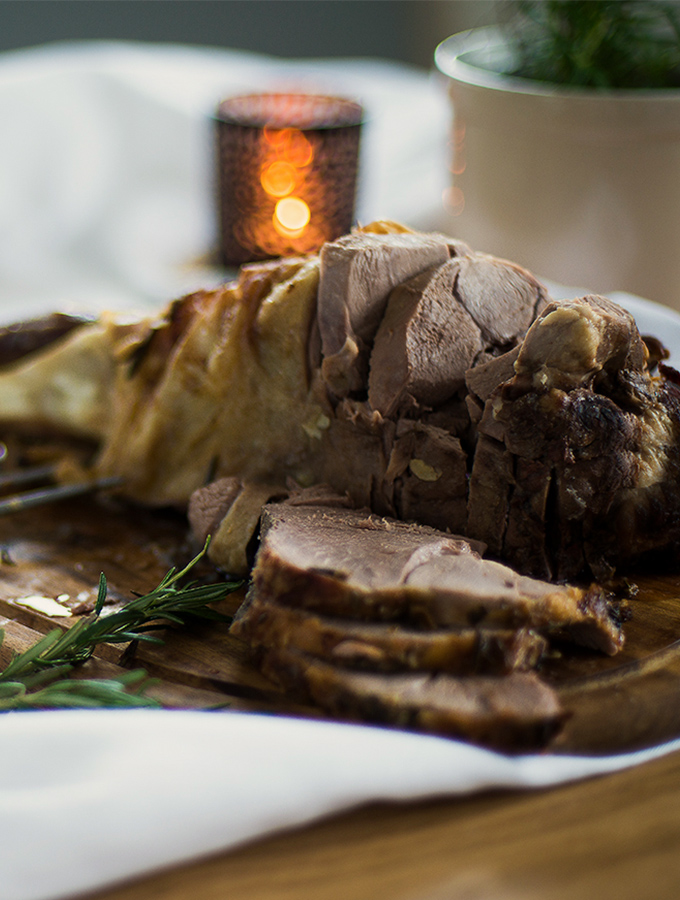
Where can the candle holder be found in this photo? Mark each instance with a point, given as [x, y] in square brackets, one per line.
[287, 173]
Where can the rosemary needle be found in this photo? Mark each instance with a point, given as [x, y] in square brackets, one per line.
[82, 693]
[35, 678]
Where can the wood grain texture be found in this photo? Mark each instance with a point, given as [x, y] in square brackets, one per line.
[614, 703]
[612, 837]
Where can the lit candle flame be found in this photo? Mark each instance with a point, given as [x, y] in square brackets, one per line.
[291, 216]
[279, 179]
[290, 144]
[289, 155]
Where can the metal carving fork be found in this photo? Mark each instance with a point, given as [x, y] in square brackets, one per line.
[48, 493]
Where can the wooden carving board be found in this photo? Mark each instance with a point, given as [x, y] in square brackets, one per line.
[615, 704]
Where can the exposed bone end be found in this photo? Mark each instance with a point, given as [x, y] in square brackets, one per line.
[572, 340]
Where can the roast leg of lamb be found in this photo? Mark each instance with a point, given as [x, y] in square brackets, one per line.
[403, 370]
[577, 462]
[270, 378]
[493, 452]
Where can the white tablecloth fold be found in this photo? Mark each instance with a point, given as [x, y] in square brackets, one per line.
[91, 797]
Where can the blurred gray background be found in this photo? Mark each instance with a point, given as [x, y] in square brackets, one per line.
[404, 30]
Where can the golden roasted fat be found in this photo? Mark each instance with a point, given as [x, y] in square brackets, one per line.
[232, 397]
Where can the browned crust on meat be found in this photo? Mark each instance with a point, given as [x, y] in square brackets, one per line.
[346, 563]
[517, 712]
[263, 622]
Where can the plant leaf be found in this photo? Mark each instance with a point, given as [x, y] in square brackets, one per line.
[33, 678]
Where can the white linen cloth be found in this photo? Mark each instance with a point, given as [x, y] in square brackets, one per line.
[106, 201]
[107, 168]
[90, 797]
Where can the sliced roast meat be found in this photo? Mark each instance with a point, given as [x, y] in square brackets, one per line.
[209, 505]
[516, 712]
[527, 515]
[452, 416]
[424, 345]
[357, 273]
[265, 623]
[228, 510]
[354, 451]
[442, 322]
[408, 469]
[426, 476]
[484, 378]
[490, 485]
[502, 298]
[317, 495]
[349, 563]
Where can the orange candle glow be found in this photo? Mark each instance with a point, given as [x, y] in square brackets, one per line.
[291, 216]
[287, 170]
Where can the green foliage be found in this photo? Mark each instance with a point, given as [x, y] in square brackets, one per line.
[38, 677]
[70, 693]
[606, 44]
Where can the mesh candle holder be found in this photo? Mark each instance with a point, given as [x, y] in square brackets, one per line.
[287, 173]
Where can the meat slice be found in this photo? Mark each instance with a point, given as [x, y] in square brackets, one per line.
[516, 712]
[484, 378]
[502, 298]
[426, 477]
[210, 504]
[265, 623]
[407, 468]
[441, 322]
[528, 515]
[353, 564]
[424, 345]
[228, 510]
[357, 274]
[354, 451]
[490, 485]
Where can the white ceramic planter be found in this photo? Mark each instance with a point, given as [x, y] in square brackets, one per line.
[580, 186]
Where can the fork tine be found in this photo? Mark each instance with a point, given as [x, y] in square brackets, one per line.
[41, 496]
[26, 476]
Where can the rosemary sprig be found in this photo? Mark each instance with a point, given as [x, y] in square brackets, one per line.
[34, 678]
[65, 693]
